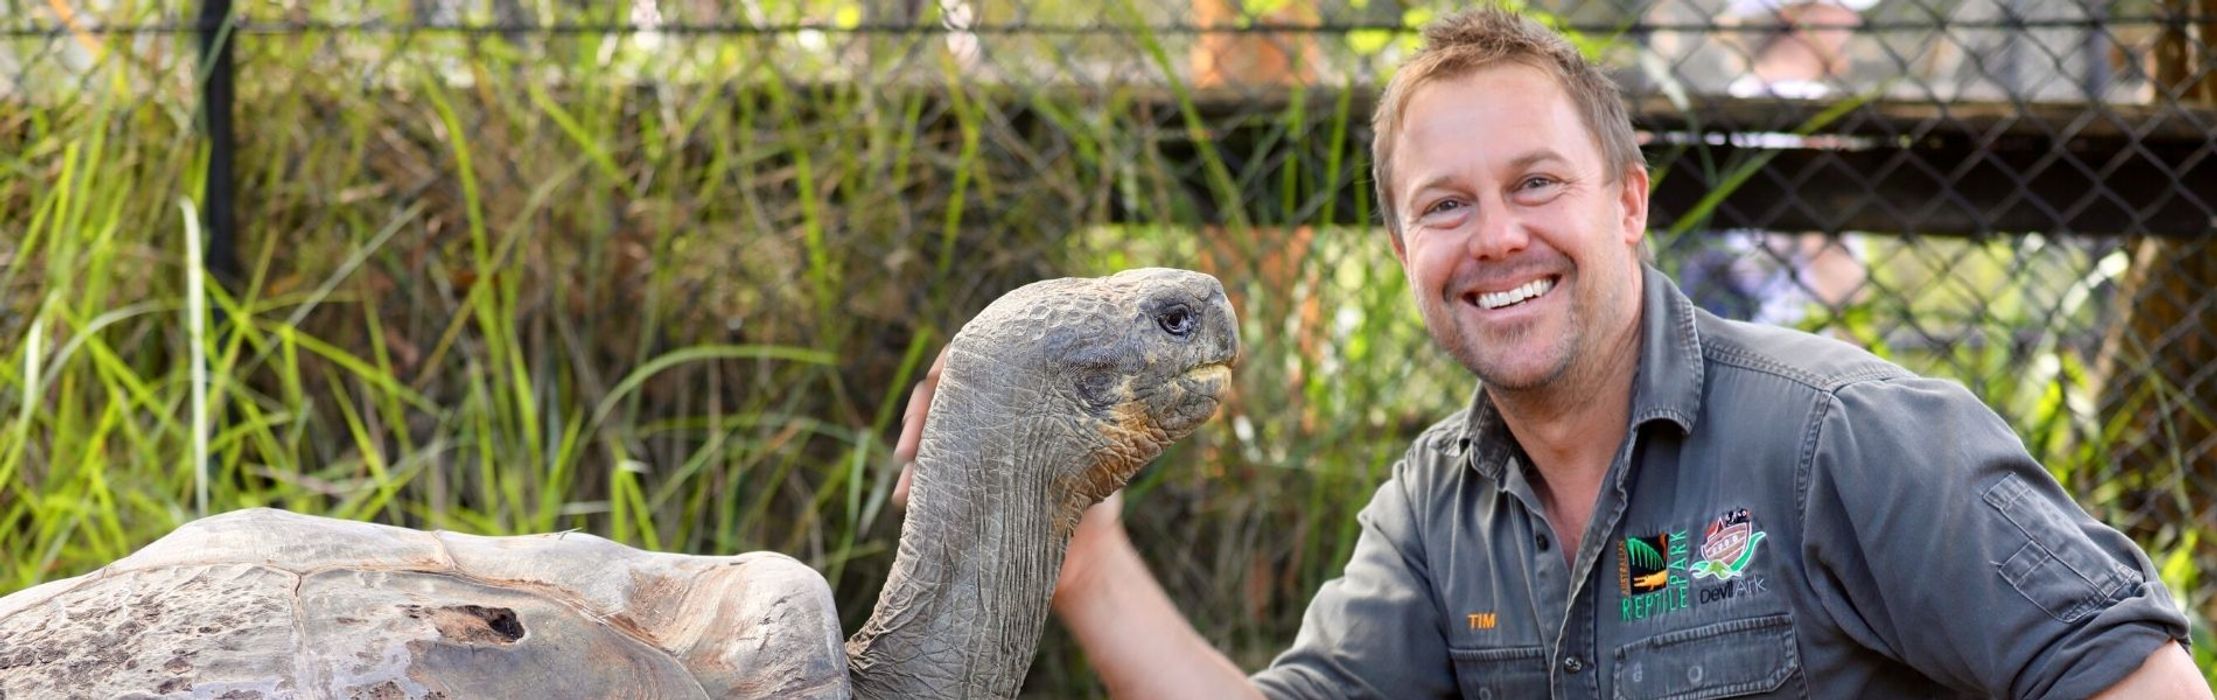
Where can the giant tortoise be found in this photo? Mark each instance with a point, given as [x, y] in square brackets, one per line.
[1051, 399]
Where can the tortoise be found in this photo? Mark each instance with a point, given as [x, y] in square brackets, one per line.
[1052, 398]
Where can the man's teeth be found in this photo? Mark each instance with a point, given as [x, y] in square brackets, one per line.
[1530, 289]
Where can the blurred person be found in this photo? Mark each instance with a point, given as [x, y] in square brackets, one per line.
[1802, 52]
[1644, 499]
[1774, 277]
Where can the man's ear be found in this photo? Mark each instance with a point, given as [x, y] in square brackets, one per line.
[1400, 248]
[1632, 195]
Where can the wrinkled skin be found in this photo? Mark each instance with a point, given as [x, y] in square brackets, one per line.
[1051, 399]
[1062, 389]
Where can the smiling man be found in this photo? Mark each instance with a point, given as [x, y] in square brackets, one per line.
[1644, 500]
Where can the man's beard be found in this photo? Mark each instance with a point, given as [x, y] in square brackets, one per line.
[1467, 346]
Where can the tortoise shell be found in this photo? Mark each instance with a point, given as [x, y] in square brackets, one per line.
[266, 603]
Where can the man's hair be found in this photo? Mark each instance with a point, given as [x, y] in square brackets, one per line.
[1463, 42]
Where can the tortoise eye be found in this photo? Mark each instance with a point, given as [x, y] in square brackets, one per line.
[1177, 320]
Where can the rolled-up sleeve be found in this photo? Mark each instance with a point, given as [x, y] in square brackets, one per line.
[1375, 630]
[1933, 537]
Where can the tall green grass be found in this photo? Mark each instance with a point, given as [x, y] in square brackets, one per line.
[672, 289]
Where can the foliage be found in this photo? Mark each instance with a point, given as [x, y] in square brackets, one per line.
[672, 289]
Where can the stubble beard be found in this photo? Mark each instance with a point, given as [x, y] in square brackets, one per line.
[1469, 347]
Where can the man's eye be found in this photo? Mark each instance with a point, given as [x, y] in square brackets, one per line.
[1535, 182]
[1443, 206]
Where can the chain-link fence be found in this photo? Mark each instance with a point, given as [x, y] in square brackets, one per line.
[535, 198]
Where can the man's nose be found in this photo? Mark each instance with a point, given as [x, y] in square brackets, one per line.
[1496, 234]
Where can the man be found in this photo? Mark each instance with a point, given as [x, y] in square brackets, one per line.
[1645, 500]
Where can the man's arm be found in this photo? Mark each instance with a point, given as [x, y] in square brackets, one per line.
[2168, 673]
[1134, 637]
[1372, 632]
[2040, 599]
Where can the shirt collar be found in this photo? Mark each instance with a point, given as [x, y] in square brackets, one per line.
[1666, 388]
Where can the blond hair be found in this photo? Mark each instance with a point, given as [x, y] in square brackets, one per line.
[1462, 43]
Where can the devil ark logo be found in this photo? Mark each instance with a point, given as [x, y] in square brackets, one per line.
[1727, 545]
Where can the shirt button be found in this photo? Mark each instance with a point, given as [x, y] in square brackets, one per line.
[1540, 540]
[1571, 664]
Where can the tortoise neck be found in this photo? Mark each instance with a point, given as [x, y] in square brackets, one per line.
[980, 550]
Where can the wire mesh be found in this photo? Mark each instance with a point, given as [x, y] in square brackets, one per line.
[2018, 194]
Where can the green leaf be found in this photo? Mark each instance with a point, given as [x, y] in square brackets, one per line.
[1368, 42]
[2178, 567]
[1257, 8]
[647, 371]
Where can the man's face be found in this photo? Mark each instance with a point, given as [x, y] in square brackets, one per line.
[1518, 240]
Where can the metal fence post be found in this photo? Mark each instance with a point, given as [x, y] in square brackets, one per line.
[216, 96]
[221, 250]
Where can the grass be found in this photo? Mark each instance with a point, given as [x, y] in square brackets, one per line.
[508, 287]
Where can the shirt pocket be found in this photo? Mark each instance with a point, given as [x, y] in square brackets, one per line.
[1734, 658]
[1501, 673]
[2057, 567]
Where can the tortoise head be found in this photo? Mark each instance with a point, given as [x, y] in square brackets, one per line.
[1096, 376]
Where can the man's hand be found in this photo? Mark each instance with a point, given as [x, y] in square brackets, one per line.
[912, 427]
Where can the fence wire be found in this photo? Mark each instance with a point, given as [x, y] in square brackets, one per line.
[2018, 194]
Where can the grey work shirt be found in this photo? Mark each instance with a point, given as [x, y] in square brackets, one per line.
[1790, 517]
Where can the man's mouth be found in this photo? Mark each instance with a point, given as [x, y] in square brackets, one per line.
[1523, 293]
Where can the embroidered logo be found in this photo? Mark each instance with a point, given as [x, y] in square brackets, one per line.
[1483, 621]
[1727, 546]
[1640, 566]
[1651, 574]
